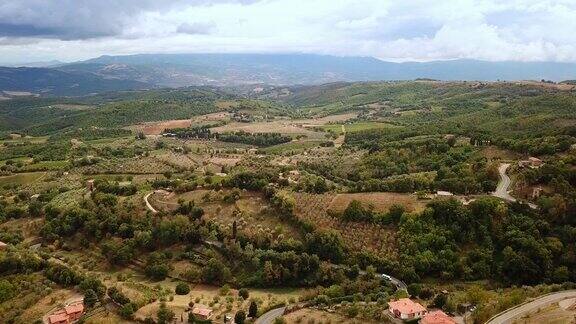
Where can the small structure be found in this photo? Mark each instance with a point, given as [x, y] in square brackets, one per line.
[69, 314]
[202, 313]
[90, 185]
[406, 309]
[441, 193]
[536, 192]
[34, 197]
[437, 317]
[532, 162]
[3, 246]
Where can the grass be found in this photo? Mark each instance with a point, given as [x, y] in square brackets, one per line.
[46, 165]
[21, 179]
[291, 147]
[356, 127]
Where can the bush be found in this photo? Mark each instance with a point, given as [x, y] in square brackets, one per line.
[243, 292]
[240, 317]
[182, 288]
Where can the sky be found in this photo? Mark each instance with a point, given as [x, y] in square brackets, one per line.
[394, 30]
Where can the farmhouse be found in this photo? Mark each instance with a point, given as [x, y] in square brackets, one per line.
[437, 317]
[532, 162]
[406, 309]
[69, 314]
[202, 313]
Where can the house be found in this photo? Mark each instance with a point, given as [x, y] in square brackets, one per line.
[406, 309]
[202, 313]
[75, 311]
[69, 314]
[59, 317]
[437, 317]
[441, 193]
[532, 162]
[3, 246]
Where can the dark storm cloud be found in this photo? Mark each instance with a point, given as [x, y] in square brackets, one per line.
[81, 19]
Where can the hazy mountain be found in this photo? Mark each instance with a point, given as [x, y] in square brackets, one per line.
[178, 70]
[230, 69]
[47, 81]
[52, 63]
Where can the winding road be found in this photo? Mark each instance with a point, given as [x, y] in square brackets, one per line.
[270, 316]
[514, 313]
[503, 184]
[503, 188]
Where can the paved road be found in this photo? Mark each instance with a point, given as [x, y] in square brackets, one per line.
[270, 316]
[503, 184]
[514, 313]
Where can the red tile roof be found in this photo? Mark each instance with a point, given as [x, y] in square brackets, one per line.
[58, 317]
[437, 317]
[74, 308]
[202, 311]
[406, 306]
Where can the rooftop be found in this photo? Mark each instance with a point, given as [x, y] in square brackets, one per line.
[58, 317]
[201, 311]
[74, 308]
[406, 306]
[437, 317]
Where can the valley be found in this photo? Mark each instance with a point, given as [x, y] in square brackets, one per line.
[325, 204]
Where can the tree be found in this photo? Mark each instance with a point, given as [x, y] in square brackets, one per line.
[164, 314]
[440, 300]
[90, 298]
[182, 288]
[240, 317]
[215, 271]
[127, 310]
[253, 309]
[234, 229]
[243, 292]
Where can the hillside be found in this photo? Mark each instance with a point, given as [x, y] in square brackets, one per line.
[116, 73]
[229, 69]
[49, 81]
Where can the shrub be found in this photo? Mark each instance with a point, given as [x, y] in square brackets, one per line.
[182, 288]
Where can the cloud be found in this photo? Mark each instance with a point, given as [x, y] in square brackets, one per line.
[195, 28]
[83, 19]
[527, 30]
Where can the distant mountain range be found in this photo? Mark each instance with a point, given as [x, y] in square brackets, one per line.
[141, 71]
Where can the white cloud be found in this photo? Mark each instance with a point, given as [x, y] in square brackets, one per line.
[524, 30]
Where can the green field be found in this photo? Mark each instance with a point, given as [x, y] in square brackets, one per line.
[356, 127]
[21, 178]
[291, 147]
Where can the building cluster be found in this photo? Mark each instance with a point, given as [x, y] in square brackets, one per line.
[68, 314]
[408, 310]
[532, 162]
